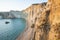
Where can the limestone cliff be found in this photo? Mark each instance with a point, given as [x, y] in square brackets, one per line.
[33, 11]
[54, 19]
[35, 18]
[49, 25]
[13, 14]
[44, 21]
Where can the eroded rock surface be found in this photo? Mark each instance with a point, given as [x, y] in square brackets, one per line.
[44, 19]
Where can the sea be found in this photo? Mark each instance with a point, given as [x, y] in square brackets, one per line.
[10, 29]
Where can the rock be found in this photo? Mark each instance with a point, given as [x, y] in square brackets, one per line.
[13, 14]
[43, 20]
[35, 18]
[46, 20]
[7, 22]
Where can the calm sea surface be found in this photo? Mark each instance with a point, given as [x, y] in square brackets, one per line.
[11, 28]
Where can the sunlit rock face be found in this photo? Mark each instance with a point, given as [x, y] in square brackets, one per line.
[48, 26]
[37, 19]
[42, 25]
[45, 20]
[54, 19]
[49, 22]
[33, 11]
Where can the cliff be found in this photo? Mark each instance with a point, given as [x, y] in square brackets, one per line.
[44, 21]
[34, 19]
[49, 26]
[54, 19]
[33, 11]
[13, 14]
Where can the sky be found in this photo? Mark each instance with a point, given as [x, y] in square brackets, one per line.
[7, 5]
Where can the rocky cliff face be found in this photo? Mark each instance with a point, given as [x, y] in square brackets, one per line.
[13, 14]
[37, 19]
[54, 19]
[45, 20]
[49, 25]
[33, 11]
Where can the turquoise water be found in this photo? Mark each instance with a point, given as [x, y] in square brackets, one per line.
[11, 30]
